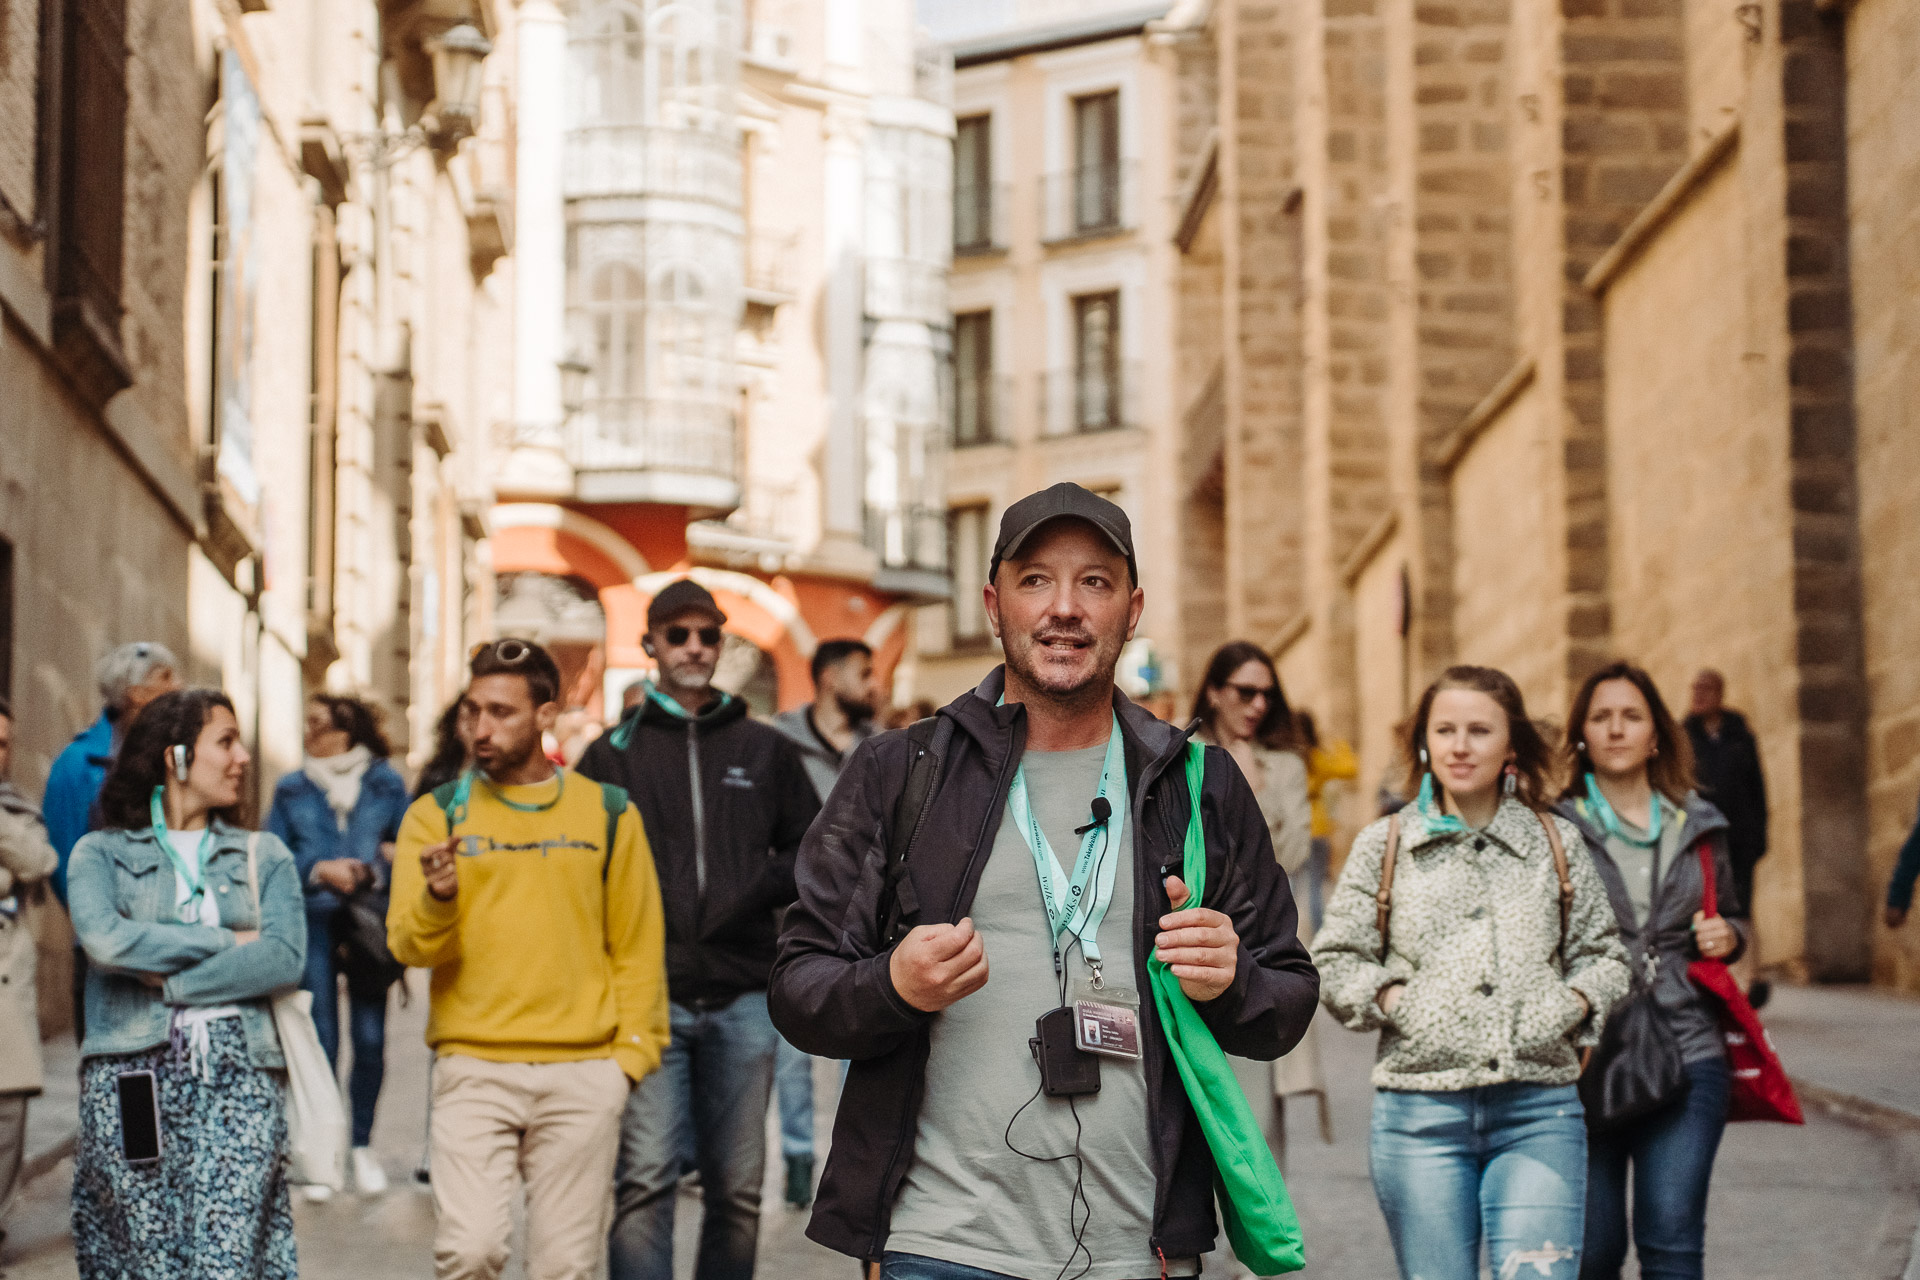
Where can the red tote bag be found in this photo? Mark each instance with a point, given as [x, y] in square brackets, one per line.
[1761, 1090]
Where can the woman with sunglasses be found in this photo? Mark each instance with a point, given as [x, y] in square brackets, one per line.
[186, 946]
[1240, 706]
[1631, 796]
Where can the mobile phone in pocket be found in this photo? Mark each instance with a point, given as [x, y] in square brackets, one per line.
[139, 1116]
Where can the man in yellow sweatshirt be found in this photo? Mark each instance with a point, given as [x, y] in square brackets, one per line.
[530, 892]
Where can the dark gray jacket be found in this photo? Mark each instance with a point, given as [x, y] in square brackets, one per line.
[1668, 934]
[832, 994]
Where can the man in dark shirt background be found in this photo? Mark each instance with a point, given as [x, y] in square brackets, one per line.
[1726, 759]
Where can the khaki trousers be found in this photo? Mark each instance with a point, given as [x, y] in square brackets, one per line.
[554, 1126]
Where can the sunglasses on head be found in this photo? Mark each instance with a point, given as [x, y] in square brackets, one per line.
[709, 636]
[507, 651]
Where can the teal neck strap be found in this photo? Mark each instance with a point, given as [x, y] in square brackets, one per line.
[192, 875]
[1076, 907]
[1610, 821]
[463, 792]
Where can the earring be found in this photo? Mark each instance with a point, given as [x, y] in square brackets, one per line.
[1511, 783]
[1655, 755]
[1581, 747]
[1423, 756]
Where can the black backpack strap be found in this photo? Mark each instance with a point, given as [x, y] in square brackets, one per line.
[928, 739]
[615, 801]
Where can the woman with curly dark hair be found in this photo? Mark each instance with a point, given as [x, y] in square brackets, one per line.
[186, 946]
[340, 814]
[1469, 932]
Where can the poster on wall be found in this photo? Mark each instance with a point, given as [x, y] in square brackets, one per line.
[238, 275]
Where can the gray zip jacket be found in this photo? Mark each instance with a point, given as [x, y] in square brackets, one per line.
[823, 767]
[1475, 936]
[120, 888]
[1663, 944]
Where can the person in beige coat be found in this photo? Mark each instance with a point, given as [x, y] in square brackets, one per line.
[1241, 708]
[26, 860]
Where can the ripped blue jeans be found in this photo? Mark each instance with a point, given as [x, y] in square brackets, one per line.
[1504, 1165]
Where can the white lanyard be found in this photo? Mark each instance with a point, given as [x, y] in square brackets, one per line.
[1084, 905]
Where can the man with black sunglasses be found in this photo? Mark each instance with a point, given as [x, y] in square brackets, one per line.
[725, 800]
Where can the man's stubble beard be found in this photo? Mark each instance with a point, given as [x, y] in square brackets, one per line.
[1097, 687]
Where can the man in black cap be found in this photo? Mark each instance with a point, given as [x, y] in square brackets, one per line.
[725, 800]
[1036, 824]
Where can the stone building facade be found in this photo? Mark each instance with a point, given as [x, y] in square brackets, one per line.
[247, 270]
[729, 331]
[1533, 335]
[1064, 263]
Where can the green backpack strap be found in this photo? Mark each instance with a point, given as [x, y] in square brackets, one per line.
[614, 800]
[1261, 1223]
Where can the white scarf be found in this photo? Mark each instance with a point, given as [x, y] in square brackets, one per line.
[338, 778]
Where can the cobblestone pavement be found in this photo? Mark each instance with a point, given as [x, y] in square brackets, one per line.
[1827, 1200]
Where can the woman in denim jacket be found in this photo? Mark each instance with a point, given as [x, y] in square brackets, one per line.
[339, 814]
[182, 967]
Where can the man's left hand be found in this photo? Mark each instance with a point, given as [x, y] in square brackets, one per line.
[1199, 945]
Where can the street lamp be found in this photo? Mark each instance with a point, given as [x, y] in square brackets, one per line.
[573, 383]
[457, 54]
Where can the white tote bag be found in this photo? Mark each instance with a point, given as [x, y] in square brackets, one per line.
[317, 1135]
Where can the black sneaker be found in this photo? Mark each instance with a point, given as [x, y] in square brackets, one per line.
[799, 1181]
[1759, 993]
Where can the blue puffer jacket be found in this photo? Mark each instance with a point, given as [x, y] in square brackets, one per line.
[303, 819]
[121, 887]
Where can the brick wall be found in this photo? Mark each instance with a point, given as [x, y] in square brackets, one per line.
[1883, 179]
[1624, 133]
[19, 105]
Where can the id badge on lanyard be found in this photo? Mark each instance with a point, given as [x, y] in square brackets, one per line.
[1106, 1018]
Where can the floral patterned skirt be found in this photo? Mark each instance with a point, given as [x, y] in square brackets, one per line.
[215, 1206]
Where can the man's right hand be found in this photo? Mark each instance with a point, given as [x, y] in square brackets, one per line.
[437, 864]
[937, 965]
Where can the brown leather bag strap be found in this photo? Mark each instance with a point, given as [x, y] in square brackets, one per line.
[1383, 896]
[1565, 873]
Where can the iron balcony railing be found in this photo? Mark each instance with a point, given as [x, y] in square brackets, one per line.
[979, 217]
[907, 289]
[981, 409]
[640, 159]
[908, 536]
[1089, 200]
[642, 433]
[769, 265]
[1098, 397]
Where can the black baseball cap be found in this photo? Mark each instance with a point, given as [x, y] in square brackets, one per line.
[1063, 501]
[680, 596]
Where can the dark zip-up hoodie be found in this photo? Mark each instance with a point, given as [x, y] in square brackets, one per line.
[832, 996]
[725, 801]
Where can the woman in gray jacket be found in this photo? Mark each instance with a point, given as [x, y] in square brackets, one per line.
[1632, 799]
[1498, 960]
[182, 965]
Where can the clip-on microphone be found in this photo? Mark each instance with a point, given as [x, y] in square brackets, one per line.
[1101, 812]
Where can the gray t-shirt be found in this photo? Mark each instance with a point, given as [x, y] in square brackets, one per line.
[968, 1198]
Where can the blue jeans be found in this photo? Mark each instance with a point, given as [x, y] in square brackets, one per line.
[912, 1266]
[366, 1026]
[1505, 1164]
[1672, 1158]
[793, 1080]
[710, 1095]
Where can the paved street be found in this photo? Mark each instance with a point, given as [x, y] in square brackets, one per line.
[1829, 1200]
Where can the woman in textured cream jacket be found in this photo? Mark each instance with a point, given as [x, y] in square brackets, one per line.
[1488, 983]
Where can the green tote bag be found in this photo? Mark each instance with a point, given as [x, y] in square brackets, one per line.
[1261, 1223]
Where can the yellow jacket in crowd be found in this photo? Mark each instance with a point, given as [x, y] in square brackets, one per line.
[540, 956]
